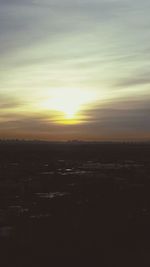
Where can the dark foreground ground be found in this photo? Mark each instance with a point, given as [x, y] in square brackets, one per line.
[74, 205]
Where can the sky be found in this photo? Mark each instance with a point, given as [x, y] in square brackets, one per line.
[75, 69]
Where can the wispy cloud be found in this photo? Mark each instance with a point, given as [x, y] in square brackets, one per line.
[7, 102]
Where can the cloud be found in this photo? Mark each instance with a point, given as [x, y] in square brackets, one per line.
[137, 79]
[97, 45]
[7, 102]
[129, 118]
[100, 123]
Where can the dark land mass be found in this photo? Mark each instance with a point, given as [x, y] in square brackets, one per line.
[74, 204]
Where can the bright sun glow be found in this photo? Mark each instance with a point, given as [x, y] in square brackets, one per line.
[69, 102]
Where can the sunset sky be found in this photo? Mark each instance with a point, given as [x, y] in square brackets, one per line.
[75, 69]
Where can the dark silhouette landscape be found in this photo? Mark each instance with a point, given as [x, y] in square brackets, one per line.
[74, 204]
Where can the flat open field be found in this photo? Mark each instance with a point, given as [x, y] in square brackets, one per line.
[74, 205]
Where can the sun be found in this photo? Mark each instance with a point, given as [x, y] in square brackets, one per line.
[67, 103]
[70, 114]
